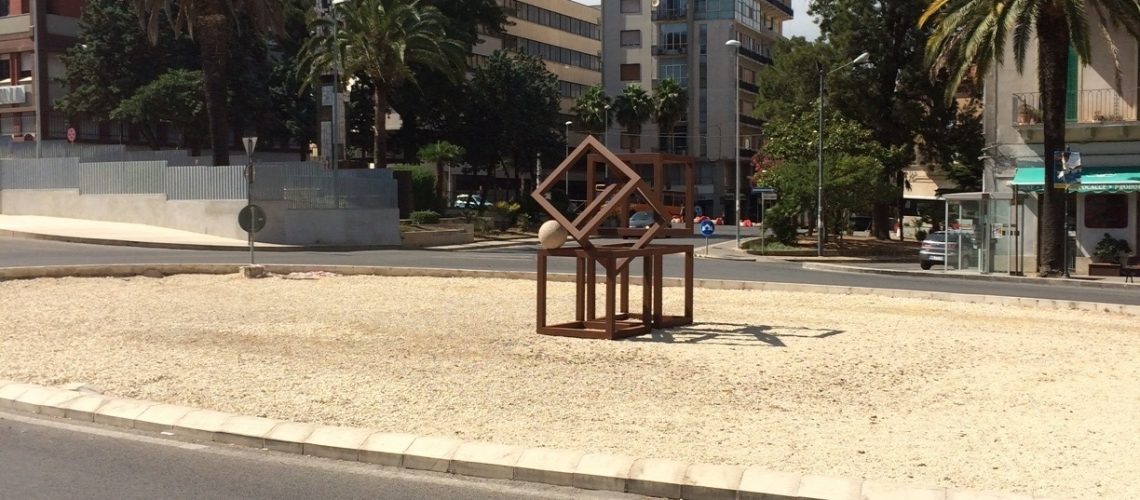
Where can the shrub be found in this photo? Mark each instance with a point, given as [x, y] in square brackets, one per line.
[423, 187]
[524, 221]
[1110, 249]
[424, 217]
[782, 223]
[920, 235]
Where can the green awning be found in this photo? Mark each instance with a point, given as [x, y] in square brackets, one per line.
[1092, 179]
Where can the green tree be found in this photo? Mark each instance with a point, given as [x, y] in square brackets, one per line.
[670, 104]
[511, 116]
[175, 97]
[440, 153]
[210, 23]
[383, 40]
[970, 35]
[631, 109]
[590, 110]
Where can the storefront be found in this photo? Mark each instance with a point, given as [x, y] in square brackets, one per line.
[1102, 200]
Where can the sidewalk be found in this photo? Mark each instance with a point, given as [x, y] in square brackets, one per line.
[119, 233]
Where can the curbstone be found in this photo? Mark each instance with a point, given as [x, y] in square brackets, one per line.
[289, 437]
[121, 412]
[84, 407]
[245, 431]
[761, 484]
[53, 406]
[600, 471]
[161, 418]
[340, 443]
[201, 424]
[830, 488]
[431, 453]
[488, 460]
[655, 477]
[33, 399]
[11, 391]
[385, 448]
[548, 466]
[876, 490]
[712, 481]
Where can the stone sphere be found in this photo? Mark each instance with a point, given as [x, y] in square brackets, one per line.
[552, 235]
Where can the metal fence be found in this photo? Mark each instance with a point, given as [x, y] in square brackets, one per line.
[304, 185]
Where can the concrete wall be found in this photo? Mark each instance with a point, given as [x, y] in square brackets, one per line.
[213, 217]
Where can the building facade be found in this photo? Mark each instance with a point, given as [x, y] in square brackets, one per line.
[1102, 125]
[34, 34]
[646, 42]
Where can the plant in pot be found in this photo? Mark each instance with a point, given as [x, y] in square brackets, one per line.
[1110, 249]
[505, 213]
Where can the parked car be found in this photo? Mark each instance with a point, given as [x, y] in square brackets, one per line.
[942, 247]
[470, 201]
[641, 219]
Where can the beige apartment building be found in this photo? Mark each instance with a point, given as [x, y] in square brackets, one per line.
[646, 42]
[1102, 125]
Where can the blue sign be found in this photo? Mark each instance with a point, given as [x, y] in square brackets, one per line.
[707, 228]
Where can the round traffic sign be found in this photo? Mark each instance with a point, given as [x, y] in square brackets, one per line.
[71, 134]
[708, 227]
[251, 218]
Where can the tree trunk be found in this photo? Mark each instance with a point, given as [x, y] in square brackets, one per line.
[379, 133]
[1052, 71]
[439, 184]
[212, 34]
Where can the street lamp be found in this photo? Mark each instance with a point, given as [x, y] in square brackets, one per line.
[735, 45]
[819, 181]
[567, 136]
[606, 124]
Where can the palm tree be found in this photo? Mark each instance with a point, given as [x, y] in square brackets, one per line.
[590, 110]
[631, 109]
[973, 33]
[441, 153]
[670, 103]
[382, 40]
[209, 23]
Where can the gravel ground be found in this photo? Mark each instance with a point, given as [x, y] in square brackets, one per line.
[913, 391]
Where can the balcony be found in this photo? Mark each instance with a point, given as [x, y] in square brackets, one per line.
[782, 7]
[751, 120]
[683, 82]
[664, 14]
[755, 56]
[677, 49]
[1091, 115]
[749, 87]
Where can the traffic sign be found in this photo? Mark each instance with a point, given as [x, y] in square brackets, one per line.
[251, 218]
[250, 144]
[708, 227]
[71, 134]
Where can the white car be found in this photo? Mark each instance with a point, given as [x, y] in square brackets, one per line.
[472, 201]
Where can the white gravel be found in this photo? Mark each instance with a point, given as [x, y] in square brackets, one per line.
[922, 392]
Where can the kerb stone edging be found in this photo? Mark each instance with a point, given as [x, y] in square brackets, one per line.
[645, 476]
[159, 270]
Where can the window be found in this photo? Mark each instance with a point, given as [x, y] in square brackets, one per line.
[5, 69]
[747, 75]
[630, 6]
[1108, 211]
[630, 141]
[631, 38]
[3, 9]
[26, 67]
[630, 72]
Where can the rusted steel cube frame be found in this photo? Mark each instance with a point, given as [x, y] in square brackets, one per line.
[617, 322]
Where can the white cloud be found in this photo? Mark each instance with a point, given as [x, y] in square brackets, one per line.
[803, 24]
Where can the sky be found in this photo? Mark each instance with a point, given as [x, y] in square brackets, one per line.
[802, 25]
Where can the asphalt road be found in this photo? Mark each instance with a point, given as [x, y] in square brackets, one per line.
[52, 459]
[20, 252]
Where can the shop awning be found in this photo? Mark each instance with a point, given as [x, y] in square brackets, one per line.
[1092, 179]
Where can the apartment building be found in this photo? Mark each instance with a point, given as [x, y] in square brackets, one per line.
[565, 34]
[646, 42]
[33, 36]
[1102, 126]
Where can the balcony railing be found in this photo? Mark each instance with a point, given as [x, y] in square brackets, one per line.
[664, 14]
[1086, 106]
[676, 49]
[749, 86]
[755, 56]
[751, 120]
[785, 8]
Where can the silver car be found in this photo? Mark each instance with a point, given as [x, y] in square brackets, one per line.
[941, 247]
[641, 219]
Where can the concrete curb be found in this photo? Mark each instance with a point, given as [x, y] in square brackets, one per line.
[158, 270]
[594, 471]
[819, 266]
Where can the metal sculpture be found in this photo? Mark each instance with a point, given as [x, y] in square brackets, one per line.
[617, 321]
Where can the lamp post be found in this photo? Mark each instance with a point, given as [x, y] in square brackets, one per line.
[819, 181]
[606, 124]
[735, 152]
[567, 137]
